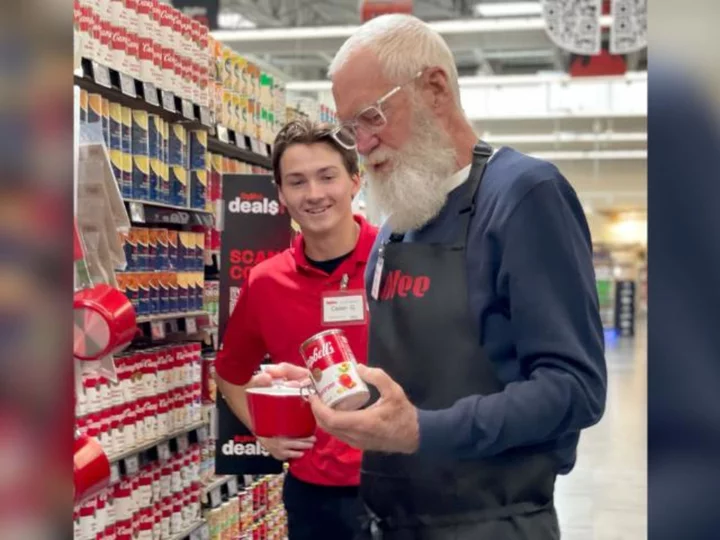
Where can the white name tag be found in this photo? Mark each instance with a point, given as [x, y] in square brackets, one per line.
[344, 307]
[377, 278]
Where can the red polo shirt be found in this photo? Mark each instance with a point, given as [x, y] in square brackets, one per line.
[279, 308]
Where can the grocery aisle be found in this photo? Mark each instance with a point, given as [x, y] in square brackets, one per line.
[604, 498]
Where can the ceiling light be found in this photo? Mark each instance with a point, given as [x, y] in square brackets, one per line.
[508, 9]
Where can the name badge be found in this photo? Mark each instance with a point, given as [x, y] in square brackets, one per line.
[344, 308]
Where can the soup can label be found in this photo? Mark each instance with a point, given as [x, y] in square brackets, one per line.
[333, 371]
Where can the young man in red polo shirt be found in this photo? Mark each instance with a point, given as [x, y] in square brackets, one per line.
[281, 306]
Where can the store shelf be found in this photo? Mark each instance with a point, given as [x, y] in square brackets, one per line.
[227, 143]
[147, 446]
[168, 316]
[189, 531]
[157, 213]
[114, 93]
[220, 481]
[241, 151]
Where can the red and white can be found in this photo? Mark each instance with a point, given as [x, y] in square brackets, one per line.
[157, 43]
[132, 56]
[104, 31]
[146, 37]
[167, 20]
[333, 370]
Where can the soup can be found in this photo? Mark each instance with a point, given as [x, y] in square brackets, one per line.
[333, 370]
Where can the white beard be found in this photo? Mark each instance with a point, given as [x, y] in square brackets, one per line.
[414, 191]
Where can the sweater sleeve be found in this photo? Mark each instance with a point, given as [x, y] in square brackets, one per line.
[547, 273]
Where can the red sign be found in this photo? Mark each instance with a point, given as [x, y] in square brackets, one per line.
[369, 9]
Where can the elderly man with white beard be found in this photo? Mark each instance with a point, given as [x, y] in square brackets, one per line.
[486, 345]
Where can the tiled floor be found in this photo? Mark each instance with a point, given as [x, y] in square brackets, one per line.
[604, 497]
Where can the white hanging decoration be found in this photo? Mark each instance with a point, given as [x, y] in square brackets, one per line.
[574, 25]
[628, 33]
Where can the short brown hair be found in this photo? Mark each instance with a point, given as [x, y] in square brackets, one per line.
[305, 131]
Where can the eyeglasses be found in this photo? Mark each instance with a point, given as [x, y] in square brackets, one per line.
[371, 119]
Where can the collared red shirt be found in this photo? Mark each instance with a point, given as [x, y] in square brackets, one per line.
[279, 307]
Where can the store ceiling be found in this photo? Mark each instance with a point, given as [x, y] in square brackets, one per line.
[476, 52]
[602, 184]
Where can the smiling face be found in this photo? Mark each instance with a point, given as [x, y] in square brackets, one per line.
[316, 187]
[410, 160]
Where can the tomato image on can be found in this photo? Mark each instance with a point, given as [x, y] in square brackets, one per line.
[333, 370]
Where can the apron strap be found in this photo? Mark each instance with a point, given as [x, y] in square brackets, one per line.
[482, 152]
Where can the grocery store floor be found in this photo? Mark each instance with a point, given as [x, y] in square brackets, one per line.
[604, 497]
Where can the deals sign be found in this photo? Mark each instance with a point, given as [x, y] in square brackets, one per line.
[255, 227]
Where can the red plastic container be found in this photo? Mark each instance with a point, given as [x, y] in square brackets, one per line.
[280, 411]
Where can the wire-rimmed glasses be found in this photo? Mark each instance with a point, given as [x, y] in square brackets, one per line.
[371, 119]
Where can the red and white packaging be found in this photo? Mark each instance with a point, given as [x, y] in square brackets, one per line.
[176, 478]
[124, 530]
[118, 28]
[111, 532]
[157, 43]
[178, 47]
[333, 370]
[195, 29]
[105, 393]
[132, 57]
[140, 435]
[176, 523]
[77, 531]
[117, 432]
[106, 431]
[129, 427]
[101, 517]
[166, 480]
[145, 487]
[87, 520]
[84, 35]
[156, 478]
[105, 32]
[123, 503]
[145, 29]
[163, 422]
[166, 517]
[157, 520]
[167, 21]
[92, 394]
[146, 525]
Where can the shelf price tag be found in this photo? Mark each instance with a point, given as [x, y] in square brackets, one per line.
[127, 85]
[202, 434]
[183, 442]
[114, 473]
[190, 325]
[205, 117]
[223, 134]
[188, 110]
[132, 465]
[101, 74]
[240, 141]
[205, 532]
[137, 212]
[168, 101]
[151, 95]
[164, 451]
[232, 486]
[215, 497]
[157, 329]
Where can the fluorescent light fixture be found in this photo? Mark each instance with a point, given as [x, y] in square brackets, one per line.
[508, 9]
[563, 137]
[234, 21]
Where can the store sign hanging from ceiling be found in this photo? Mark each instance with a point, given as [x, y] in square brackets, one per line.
[574, 25]
[369, 9]
[204, 11]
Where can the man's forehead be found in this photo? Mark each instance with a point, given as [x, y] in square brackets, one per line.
[357, 84]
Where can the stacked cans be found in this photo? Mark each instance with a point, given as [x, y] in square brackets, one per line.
[157, 502]
[148, 40]
[244, 98]
[255, 513]
[164, 270]
[207, 461]
[159, 391]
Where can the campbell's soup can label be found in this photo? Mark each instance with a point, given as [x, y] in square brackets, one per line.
[333, 370]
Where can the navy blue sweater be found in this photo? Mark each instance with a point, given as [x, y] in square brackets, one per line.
[533, 294]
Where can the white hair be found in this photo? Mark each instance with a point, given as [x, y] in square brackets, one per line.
[404, 45]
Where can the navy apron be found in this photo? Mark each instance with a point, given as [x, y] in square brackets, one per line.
[423, 335]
